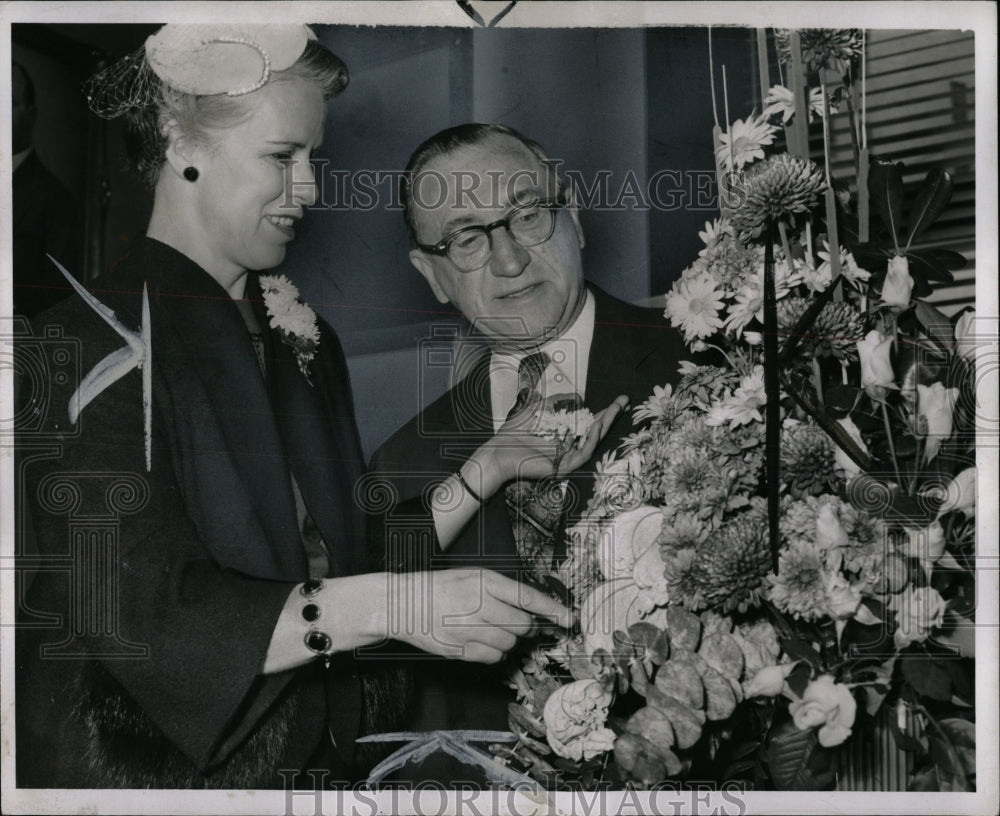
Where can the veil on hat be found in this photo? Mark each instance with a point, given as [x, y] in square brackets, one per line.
[196, 59]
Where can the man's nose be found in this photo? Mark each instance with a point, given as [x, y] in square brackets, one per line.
[509, 257]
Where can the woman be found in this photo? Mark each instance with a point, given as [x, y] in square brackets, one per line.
[207, 629]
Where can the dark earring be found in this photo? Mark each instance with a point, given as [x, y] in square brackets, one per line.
[191, 173]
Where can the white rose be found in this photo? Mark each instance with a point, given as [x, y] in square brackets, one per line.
[960, 494]
[876, 366]
[828, 705]
[918, 611]
[843, 461]
[626, 538]
[898, 284]
[926, 544]
[842, 599]
[768, 682]
[830, 533]
[574, 717]
[934, 412]
[965, 337]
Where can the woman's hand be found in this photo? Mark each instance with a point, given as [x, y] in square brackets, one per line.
[467, 614]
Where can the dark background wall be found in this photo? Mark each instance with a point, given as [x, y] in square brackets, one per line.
[625, 103]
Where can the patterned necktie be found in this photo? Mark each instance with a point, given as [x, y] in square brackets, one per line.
[535, 506]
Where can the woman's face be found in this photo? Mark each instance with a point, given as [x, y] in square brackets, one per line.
[255, 179]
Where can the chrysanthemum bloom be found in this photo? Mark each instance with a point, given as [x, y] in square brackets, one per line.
[728, 261]
[744, 142]
[835, 331]
[849, 268]
[702, 384]
[776, 188]
[694, 305]
[834, 48]
[866, 535]
[744, 404]
[799, 588]
[781, 100]
[660, 407]
[733, 561]
[682, 573]
[808, 465]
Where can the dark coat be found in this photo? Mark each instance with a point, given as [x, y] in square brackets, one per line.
[193, 561]
[633, 349]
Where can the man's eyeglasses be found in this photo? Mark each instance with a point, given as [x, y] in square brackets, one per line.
[471, 248]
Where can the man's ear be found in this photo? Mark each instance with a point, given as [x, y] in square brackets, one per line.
[426, 268]
[181, 152]
[574, 214]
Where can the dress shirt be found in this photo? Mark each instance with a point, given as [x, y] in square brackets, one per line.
[565, 374]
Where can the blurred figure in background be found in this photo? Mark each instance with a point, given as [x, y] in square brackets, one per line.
[47, 218]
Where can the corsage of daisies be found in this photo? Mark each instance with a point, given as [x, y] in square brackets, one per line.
[294, 320]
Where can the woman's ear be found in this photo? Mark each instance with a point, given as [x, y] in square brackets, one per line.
[181, 152]
[426, 268]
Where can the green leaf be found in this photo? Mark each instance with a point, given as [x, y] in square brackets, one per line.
[951, 772]
[962, 734]
[936, 324]
[795, 759]
[798, 649]
[933, 197]
[885, 189]
[927, 677]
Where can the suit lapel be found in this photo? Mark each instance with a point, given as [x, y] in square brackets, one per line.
[322, 449]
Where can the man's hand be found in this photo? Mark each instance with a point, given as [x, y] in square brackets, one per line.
[467, 614]
[516, 453]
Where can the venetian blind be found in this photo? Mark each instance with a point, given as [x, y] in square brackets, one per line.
[921, 111]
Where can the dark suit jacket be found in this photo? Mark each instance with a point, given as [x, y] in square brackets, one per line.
[197, 556]
[633, 349]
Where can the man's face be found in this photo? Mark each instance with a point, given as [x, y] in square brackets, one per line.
[522, 295]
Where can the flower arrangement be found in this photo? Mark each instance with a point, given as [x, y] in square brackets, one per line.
[293, 319]
[778, 564]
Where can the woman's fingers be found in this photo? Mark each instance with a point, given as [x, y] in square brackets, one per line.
[523, 596]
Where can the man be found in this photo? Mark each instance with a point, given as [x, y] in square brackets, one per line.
[496, 234]
[46, 217]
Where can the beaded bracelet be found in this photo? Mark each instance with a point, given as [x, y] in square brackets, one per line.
[468, 489]
[317, 642]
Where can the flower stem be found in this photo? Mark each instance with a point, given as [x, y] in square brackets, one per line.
[772, 388]
[892, 447]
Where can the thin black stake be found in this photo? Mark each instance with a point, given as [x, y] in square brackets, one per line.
[772, 388]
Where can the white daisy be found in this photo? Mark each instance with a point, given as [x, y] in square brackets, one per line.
[694, 305]
[744, 142]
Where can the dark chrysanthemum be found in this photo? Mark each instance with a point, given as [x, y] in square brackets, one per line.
[682, 574]
[808, 465]
[836, 49]
[702, 385]
[733, 561]
[729, 261]
[835, 331]
[775, 188]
